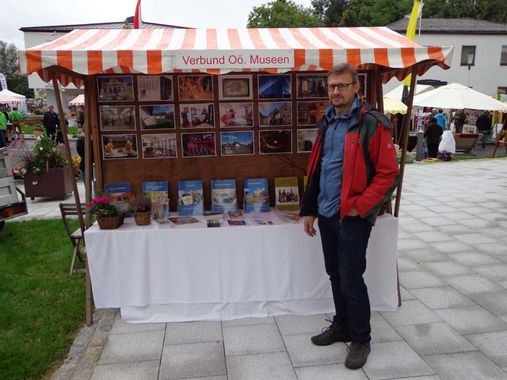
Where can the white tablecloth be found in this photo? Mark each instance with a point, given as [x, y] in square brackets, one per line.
[160, 273]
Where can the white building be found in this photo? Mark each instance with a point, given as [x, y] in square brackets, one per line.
[480, 52]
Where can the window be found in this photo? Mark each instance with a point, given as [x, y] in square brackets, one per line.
[503, 56]
[468, 56]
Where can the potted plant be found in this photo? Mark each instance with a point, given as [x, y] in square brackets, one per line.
[45, 170]
[105, 211]
[141, 208]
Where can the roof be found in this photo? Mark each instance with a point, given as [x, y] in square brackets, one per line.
[99, 25]
[452, 26]
[86, 52]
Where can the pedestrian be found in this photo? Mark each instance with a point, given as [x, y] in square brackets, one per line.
[459, 118]
[15, 118]
[352, 171]
[80, 119]
[51, 122]
[3, 127]
[80, 148]
[441, 119]
[483, 125]
[432, 135]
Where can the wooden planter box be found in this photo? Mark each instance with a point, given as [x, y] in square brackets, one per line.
[53, 183]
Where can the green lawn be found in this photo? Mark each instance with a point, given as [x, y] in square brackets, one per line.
[28, 129]
[41, 305]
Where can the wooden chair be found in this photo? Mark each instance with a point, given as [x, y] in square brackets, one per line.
[69, 210]
[501, 139]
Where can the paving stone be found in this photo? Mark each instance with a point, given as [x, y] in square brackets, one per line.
[456, 228]
[446, 268]
[192, 360]
[120, 327]
[435, 377]
[141, 346]
[193, 332]
[268, 366]
[457, 215]
[425, 255]
[405, 264]
[471, 319]
[474, 239]
[438, 221]
[470, 284]
[493, 345]
[474, 222]
[394, 359]
[451, 247]
[252, 339]
[248, 322]
[467, 365]
[420, 279]
[474, 258]
[410, 313]
[404, 235]
[303, 353]
[495, 249]
[441, 297]
[432, 236]
[329, 372]
[496, 272]
[406, 295]
[434, 338]
[416, 227]
[299, 324]
[381, 331]
[409, 220]
[404, 245]
[494, 302]
[127, 371]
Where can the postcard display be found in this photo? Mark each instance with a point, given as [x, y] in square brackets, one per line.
[184, 127]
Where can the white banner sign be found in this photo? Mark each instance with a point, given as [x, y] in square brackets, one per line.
[240, 59]
[3, 82]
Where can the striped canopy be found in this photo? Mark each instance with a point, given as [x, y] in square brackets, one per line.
[78, 101]
[85, 52]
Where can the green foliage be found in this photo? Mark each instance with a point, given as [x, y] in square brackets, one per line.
[41, 305]
[282, 14]
[140, 203]
[45, 154]
[102, 205]
[9, 67]
[330, 11]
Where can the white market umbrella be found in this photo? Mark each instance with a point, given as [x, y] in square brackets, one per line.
[397, 92]
[7, 96]
[458, 96]
[77, 101]
[394, 106]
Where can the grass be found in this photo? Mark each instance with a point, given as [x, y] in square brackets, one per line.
[41, 305]
[28, 129]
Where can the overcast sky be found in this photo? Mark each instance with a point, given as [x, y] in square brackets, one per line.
[192, 13]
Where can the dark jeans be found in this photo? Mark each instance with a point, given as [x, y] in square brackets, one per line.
[51, 133]
[344, 244]
[2, 139]
[432, 150]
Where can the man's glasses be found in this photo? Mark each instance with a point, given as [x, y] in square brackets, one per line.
[339, 86]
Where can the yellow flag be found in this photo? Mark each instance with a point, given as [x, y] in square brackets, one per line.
[411, 27]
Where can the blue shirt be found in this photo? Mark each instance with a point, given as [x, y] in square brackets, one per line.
[328, 200]
[441, 120]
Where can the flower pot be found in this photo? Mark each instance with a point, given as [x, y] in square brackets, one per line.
[142, 218]
[110, 222]
[52, 183]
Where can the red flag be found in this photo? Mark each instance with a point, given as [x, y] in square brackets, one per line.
[138, 22]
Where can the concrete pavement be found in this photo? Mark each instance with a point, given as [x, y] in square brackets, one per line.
[452, 324]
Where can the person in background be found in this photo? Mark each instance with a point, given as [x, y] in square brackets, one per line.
[432, 135]
[80, 119]
[352, 171]
[441, 119]
[483, 125]
[80, 147]
[3, 127]
[16, 117]
[459, 118]
[51, 122]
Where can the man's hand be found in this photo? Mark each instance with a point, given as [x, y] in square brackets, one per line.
[309, 230]
[353, 212]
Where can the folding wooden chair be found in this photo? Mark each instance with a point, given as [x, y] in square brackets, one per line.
[69, 210]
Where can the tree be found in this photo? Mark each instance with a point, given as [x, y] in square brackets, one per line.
[282, 14]
[9, 67]
[330, 11]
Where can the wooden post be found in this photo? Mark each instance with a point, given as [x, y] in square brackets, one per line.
[404, 141]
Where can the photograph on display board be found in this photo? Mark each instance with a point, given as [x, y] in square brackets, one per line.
[200, 115]
[115, 88]
[363, 84]
[274, 86]
[119, 146]
[311, 85]
[275, 142]
[311, 113]
[154, 87]
[237, 143]
[198, 144]
[275, 114]
[195, 87]
[235, 87]
[159, 145]
[157, 116]
[117, 118]
[236, 114]
[306, 138]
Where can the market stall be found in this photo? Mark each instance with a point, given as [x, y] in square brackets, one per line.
[179, 86]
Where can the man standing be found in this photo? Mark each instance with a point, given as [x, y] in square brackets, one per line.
[3, 127]
[483, 125]
[432, 134]
[16, 117]
[441, 119]
[459, 118]
[352, 172]
[51, 122]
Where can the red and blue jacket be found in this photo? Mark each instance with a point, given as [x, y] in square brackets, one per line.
[370, 170]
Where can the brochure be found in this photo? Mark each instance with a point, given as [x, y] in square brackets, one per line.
[182, 220]
[286, 193]
[256, 196]
[223, 195]
[158, 193]
[213, 223]
[190, 198]
[236, 223]
[119, 194]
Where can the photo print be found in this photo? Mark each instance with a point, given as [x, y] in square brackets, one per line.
[237, 143]
[119, 146]
[117, 118]
[306, 138]
[275, 114]
[157, 116]
[115, 88]
[275, 142]
[311, 113]
[159, 145]
[154, 87]
[235, 87]
[274, 86]
[236, 114]
[198, 144]
[200, 115]
[195, 87]
[312, 85]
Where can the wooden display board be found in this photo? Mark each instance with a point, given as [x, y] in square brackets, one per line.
[158, 128]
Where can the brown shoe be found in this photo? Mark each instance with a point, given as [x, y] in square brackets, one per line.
[357, 355]
[330, 335]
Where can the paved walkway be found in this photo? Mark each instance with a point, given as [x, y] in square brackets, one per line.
[452, 324]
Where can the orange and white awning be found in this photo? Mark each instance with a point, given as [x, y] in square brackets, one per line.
[218, 51]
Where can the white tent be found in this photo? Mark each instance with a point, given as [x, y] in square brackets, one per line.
[397, 92]
[393, 106]
[10, 97]
[458, 96]
[78, 100]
